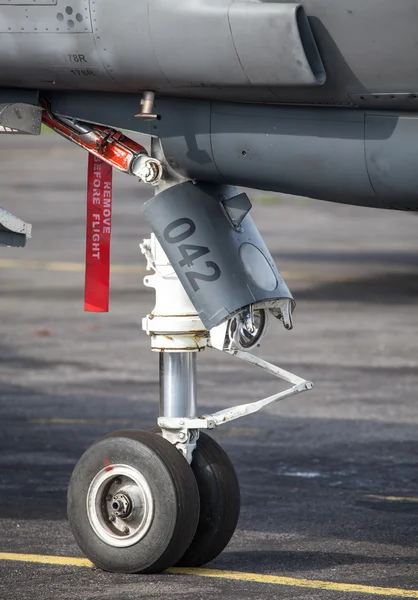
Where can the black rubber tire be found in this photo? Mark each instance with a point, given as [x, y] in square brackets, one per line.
[219, 502]
[175, 495]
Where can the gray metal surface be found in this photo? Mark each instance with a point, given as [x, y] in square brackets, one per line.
[12, 95]
[314, 152]
[19, 117]
[218, 44]
[356, 157]
[13, 240]
[316, 473]
[13, 231]
[25, 2]
[205, 250]
[178, 381]
[219, 50]
[157, 45]
[119, 505]
[391, 154]
[341, 155]
[50, 45]
[60, 16]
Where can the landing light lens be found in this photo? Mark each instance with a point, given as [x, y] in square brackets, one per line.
[257, 267]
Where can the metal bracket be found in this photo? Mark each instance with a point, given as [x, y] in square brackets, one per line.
[229, 414]
[184, 438]
[13, 231]
[112, 146]
[147, 105]
[21, 118]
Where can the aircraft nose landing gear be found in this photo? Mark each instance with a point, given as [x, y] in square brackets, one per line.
[144, 501]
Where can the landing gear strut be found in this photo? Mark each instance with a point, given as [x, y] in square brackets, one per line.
[140, 502]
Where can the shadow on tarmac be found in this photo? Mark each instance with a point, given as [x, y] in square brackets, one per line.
[382, 288]
[293, 562]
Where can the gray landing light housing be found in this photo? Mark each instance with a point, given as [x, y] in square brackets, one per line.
[216, 250]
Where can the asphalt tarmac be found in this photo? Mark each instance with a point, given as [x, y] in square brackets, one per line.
[329, 478]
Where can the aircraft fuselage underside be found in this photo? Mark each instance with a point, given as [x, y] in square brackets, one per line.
[312, 99]
[365, 52]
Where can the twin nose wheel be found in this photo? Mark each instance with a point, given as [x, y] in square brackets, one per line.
[136, 506]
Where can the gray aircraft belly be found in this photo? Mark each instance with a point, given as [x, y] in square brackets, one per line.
[322, 53]
[242, 51]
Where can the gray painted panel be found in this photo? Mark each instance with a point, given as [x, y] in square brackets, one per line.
[312, 152]
[185, 127]
[292, 57]
[367, 45]
[193, 43]
[360, 57]
[9, 95]
[392, 158]
[27, 3]
[115, 110]
[13, 240]
[13, 231]
[64, 16]
[20, 117]
[321, 156]
[315, 152]
[130, 58]
[217, 42]
[61, 60]
[402, 101]
[160, 45]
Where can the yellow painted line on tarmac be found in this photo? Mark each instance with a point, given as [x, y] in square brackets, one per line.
[299, 582]
[63, 266]
[390, 498]
[317, 584]
[46, 560]
[78, 267]
[65, 421]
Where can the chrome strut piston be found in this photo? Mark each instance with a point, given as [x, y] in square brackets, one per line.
[178, 384]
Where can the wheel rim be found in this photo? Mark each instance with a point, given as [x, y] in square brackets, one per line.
[120, 506]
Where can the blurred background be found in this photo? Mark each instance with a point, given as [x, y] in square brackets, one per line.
[317, 472]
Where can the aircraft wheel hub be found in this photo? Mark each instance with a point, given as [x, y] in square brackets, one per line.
[120, 505]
